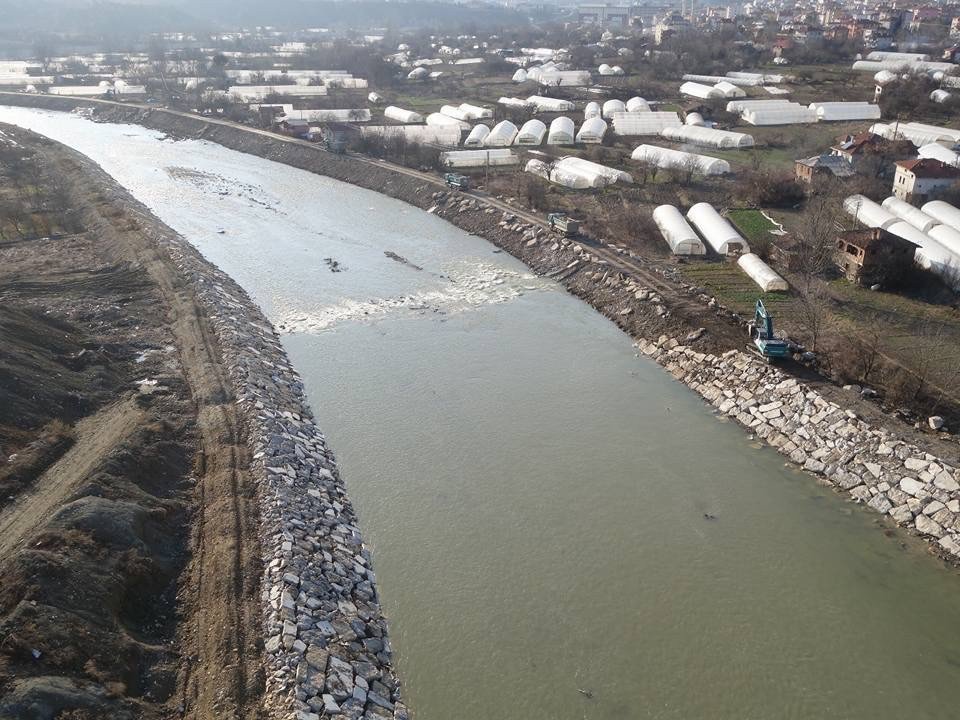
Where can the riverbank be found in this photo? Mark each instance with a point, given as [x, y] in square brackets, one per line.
[271, 609]
[647, 301]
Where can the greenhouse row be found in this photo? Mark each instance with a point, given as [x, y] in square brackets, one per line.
[577, 173]
[644, 123]
[917, 133]
[663, 157]
[708, 137]
[717, 230]
[478, 158]
[681, 238]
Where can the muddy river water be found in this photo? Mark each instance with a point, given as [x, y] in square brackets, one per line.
[534, 494]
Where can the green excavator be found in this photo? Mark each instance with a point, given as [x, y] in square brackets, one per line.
[767, 344]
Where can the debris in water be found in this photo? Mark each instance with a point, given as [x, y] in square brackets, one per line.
[401, 259]
[586, 693]
[708, 516]
[334, 265]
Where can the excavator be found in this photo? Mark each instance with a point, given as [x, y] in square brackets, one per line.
[767, 344]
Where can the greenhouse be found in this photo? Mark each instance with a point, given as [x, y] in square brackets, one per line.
[531, 133]
[708, 137]
[392, 112]
[442, 119]
[885, 77]
[538, 168]
[761, 273]
[694, 118]
[790, 114]
[921, 66]
[455, 112]
[501, 135]
[419, 73]
[717, 230]
[712, 79]
[939, 96]
[577, 173]
[831, 111]
[704, 92]
[561, 131]
[448, 135]
[758, 78]
[663, 157]
[939, 152]
[910, 214]
[644, 123]
[330, 115]
[592, 131]
[917, 133]
[677, 231]
[477, 136]
[867, 212]
[375, 98]
[520, 76]
[881, 55]
[478, 158]
[948, 237]
[513, 102]
[475, 112]
[548, 104]
[738, 106]
[613, 106]
[605, 69]
[637, 104]
[943, 212]
[592, 110]
[565, 78]
[729, 90]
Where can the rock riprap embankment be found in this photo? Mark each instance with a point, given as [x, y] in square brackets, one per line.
[872, 465]
[327, 649]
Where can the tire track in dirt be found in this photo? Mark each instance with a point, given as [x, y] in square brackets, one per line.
[97, 436]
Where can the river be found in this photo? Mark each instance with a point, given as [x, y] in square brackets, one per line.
[534, 493]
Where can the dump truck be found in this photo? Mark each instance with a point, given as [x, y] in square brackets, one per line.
[563, 224]
[457, 182]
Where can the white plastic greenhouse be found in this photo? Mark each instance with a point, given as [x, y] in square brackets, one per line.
[531, 133]
[561, 131]
[565, 78]
[579, 171]
[791, 114]
[477, 136]
[919, 66]
[438, 134]
[665, 157]
[605, 69]
[520, 76]
[939, 152]
[455, 112]
[939, 96]
[716, 230]
[617, 70]
[943, 212]
[948, 237]
[711, 79]
[644, 123]
[738, 106]
[392, 112]
[375, 98]
[513, 102]
[475, 112]
[881, 55]
[330, 115]
[613, 106]
[910, 214]
[885, 77]
[478, 158]
[697, 90]
[761, 273]
[708, 137]
[917, 133]
[694, 118]
[419, 73]
[677, 231]
[592, 110]
[637, 104]
[758, 78]
[845, 111]
[548, 104]
[866, 211]
[538, 168]
[592, 130]
[442, 119]
[501, 135]
[729, 90]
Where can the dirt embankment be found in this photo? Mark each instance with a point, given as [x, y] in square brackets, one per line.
[129, 556]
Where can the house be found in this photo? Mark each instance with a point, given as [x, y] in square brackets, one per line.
[872, 153]
[807, 170]
[294, 128]
[871, 255]
[605, 13]
[923, 179]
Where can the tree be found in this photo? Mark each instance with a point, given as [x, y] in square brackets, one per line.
[814, 239]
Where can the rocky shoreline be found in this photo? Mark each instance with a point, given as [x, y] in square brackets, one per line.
[326, 642]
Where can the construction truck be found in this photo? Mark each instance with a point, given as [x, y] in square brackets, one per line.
[457, 182]
[766, 343]
[563, 224]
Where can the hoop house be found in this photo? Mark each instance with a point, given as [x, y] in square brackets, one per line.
[392, 112]
[708, 137]
[501, 135]
[866, 211]
[761, 273]
[613, 106]
[677, 231]
[531, 133]
[592, 131]
[561, 132]
[716, 230]
[477, 136]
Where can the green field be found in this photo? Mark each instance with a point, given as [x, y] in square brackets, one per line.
[752, 224]
[733, 287]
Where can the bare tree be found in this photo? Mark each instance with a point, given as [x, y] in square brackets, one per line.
[814, 239]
